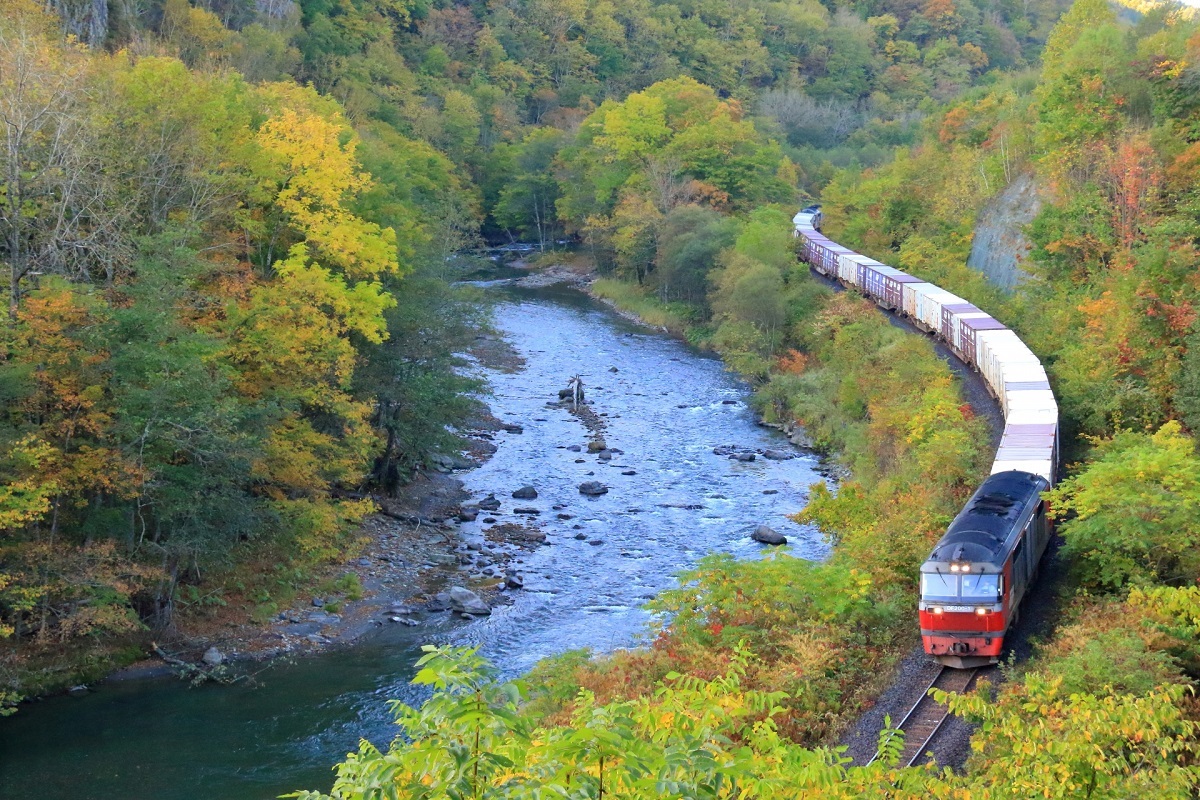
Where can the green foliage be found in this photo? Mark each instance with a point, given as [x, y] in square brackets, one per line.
[1131, 515]
[192, 387]
[1040, 740]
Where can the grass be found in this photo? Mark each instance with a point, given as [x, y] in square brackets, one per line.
[677, 318]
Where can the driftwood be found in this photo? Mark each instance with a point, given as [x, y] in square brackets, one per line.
[411, 519]
[198, 673]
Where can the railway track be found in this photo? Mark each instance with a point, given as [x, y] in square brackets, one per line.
[925, 718]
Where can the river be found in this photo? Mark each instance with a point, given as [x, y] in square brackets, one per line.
[666, 406]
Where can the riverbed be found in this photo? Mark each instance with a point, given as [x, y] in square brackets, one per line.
[664, 407]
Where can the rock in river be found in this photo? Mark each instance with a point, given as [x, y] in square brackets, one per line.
[489, 503]
[596, 445]
[593, 488]
[768, 536]
[525, 493]
[468, 602]
[778, 455]
[212, 657]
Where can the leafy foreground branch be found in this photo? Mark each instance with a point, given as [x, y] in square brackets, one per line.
[693, 738]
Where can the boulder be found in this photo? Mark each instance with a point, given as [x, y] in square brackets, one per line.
[768, 536]
[574, 448]
[467, 515]
[629, 472]
[525, 493]
[511, 428]
[439, 602]
[605, 455]
[526, 511]
[514, 580]
[467, 602]
[212, 657]
[489, 503]
[596, 445]
[593, 488]
[744, 456]
[451, 461]
[778, 455]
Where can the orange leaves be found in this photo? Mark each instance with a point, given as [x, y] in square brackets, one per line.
[942, 14]
[953, 124]
[1132, 178]
[792, 362]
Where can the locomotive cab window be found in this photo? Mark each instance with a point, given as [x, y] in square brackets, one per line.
[939, 584]
[981, 587]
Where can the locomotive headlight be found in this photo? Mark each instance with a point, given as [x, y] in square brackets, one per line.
[983, 612]
[937, 610]
[954, 567]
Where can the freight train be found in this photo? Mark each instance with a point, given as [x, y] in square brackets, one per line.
[973, 582]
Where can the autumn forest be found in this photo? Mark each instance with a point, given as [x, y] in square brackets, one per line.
[232, 235]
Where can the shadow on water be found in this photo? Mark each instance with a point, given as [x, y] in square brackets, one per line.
[666, 407]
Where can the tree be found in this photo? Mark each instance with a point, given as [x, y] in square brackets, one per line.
[1134, 513]
[527, 201]
[42, 164]
[689, 242]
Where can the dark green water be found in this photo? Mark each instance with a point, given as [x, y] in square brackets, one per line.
[672, 500]
[161, 739]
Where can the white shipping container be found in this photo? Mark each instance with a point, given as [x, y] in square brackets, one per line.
[1029, 400]
[986, 342]
[929, 306]
[911, 292]
[956, 326]
[848, 267]
[997, 349]
[1038, 466]
[1008, 364]
[1025, 372]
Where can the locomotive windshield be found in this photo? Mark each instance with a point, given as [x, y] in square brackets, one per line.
[980, 587]
[944, 585]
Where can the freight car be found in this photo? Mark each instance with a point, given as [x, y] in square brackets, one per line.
[979, 571]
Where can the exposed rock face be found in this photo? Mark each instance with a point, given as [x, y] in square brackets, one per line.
[768, 536]
[1000, 242]
[466, 601]
[593, 488]
[86, 19]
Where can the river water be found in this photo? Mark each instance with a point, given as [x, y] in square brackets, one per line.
[666, 408]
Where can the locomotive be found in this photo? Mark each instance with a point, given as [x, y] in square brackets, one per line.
[974, 580]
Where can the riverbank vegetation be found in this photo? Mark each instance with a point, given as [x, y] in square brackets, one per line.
[209, 301]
